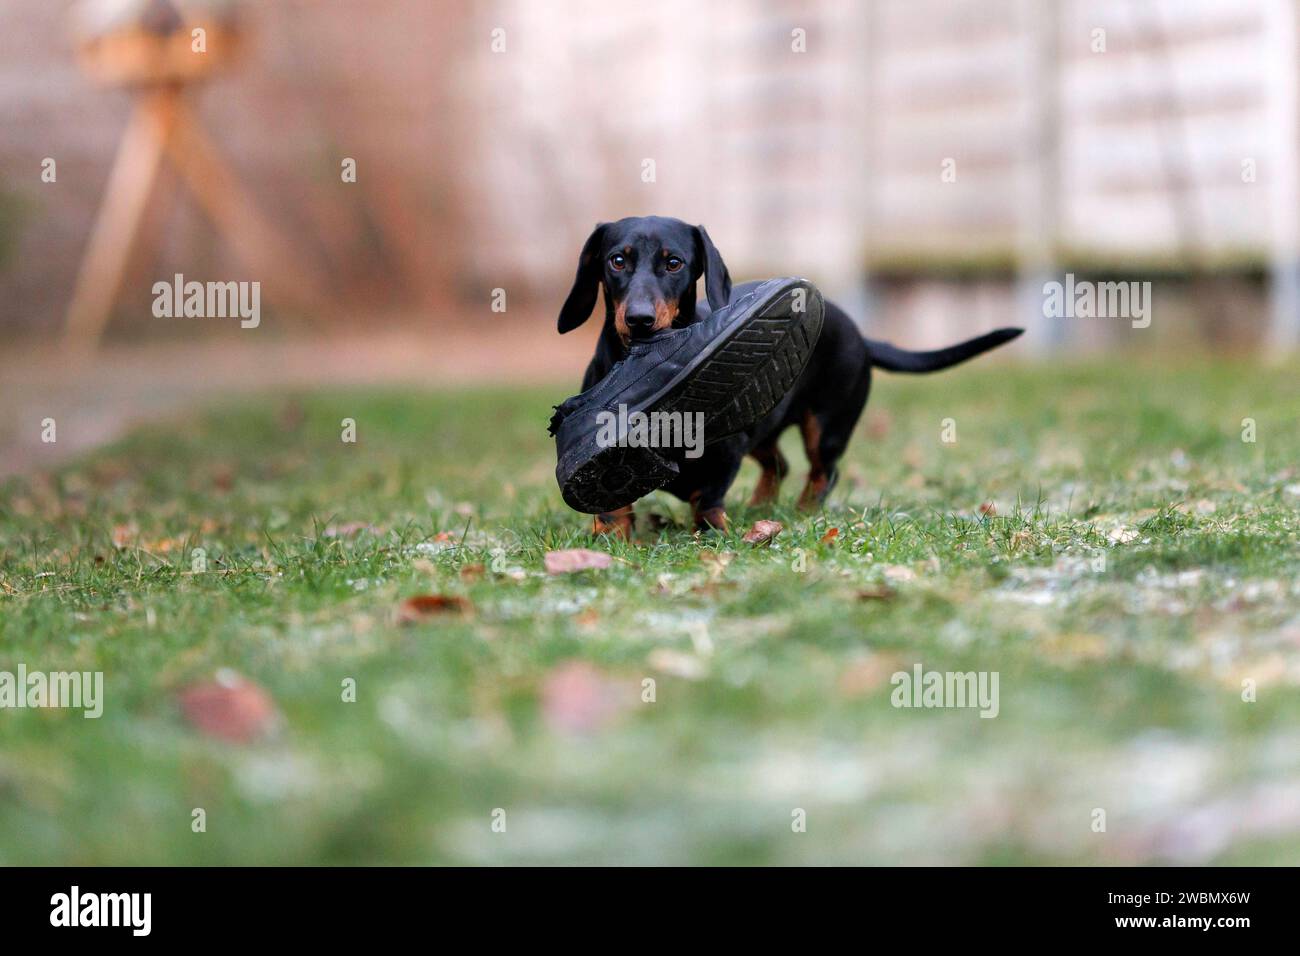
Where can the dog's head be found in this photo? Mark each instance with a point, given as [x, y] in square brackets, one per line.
[648, 266]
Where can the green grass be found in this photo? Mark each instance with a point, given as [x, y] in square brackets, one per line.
[1140, 564]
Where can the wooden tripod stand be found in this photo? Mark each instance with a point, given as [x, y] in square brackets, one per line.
[163, 125]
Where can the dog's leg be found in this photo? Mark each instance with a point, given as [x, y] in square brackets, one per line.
[704, 482]
[709, 517]
[818, 484]
[826, 436]
[620, 523]
[775, 468]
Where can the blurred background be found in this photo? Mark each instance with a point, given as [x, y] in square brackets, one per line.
[931, 164]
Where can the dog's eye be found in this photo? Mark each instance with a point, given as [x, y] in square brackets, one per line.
[673, 263]
[617, 262]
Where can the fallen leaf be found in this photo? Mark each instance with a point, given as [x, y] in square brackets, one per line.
[578, 698]
[988, 509]
[472, 572]
[575, 559]
[229, 708]
[830, 535]
[762, 533]
[877, 592]
[422, 607]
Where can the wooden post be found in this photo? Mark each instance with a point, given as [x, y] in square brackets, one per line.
[235, 213]
[118, 222]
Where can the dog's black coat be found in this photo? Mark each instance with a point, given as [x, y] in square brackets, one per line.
[648, 268]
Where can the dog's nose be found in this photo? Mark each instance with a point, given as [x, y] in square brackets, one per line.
[641, 323]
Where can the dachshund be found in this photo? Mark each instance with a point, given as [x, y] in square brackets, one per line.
[648, 267]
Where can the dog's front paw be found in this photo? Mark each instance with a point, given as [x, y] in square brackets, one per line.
[619, 523]
[711, 519]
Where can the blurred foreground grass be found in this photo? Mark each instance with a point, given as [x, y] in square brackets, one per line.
[1137, 564]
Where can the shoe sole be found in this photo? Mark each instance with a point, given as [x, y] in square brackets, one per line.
[617, 476]
[736, 381]
[744, 374]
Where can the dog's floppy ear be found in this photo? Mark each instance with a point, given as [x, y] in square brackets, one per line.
[717, 280]
[582, 297]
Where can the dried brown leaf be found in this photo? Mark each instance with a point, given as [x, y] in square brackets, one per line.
[762, 532]
[575, 559]
[579, 698]
[229, 708]
[422, 607]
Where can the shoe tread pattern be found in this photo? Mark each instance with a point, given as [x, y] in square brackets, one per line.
[748, 375]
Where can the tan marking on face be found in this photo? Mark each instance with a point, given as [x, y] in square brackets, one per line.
[665, 313]
[620, 321]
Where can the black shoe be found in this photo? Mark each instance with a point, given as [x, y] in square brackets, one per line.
[727, 370]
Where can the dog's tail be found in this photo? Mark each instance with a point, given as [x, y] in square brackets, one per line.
[893, 359]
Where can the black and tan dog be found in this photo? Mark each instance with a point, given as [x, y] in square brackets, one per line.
[648, 268]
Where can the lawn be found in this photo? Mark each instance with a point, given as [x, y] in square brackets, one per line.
[1101, 538]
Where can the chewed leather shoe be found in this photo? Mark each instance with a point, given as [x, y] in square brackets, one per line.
[681, 389]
